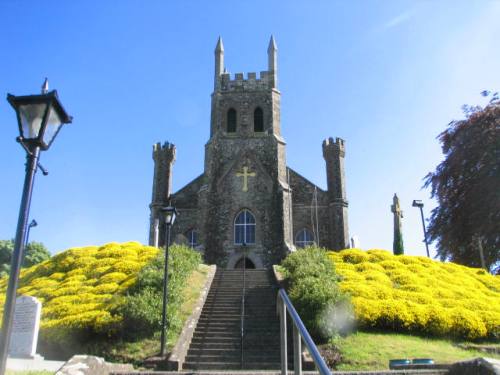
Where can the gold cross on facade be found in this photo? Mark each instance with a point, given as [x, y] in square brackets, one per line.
[245, 174]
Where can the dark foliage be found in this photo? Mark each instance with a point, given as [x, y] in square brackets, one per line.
[397, 246]
[35, 253]
[466, 185]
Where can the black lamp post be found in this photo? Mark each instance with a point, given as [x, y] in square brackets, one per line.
[170, 213]
[39, 117]
[420, 204]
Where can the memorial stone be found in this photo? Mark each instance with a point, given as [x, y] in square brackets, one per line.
[25, 327]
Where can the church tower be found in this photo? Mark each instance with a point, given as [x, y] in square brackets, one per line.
[246, 193]
[248, 207]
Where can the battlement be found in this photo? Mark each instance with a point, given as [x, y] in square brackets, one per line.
[251, 82]
[166, 151]
[333, 145]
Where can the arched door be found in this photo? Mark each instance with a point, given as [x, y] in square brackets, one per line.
[247, 262]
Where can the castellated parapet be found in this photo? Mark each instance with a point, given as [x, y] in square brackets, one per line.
[239, 83]
[333, 146]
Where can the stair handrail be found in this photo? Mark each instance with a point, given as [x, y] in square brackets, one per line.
[243, 305]
[300, 333]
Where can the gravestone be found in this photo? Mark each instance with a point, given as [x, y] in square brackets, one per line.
[25, 328]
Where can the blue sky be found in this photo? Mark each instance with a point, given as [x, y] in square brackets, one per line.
[387, 76]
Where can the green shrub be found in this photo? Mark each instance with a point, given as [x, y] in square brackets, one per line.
[142, 310]
[313, 289]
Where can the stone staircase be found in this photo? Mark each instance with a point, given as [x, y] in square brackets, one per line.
[216, 342]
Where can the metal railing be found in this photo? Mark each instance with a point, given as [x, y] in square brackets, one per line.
[243, 306]
[300, 334]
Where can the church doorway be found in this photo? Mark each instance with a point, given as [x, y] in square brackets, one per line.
[244, 261]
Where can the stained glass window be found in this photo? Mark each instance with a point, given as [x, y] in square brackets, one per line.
[244, 228]
[304, 238]
[192, 237]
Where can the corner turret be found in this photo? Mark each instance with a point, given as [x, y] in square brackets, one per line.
[164, 158]
[334, 154]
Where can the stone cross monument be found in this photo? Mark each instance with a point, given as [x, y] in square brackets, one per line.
[397, 246]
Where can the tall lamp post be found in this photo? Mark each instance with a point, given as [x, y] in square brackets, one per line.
[39, 117]
[170, 213]
[420, 204]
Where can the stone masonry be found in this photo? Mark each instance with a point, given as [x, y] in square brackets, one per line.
[245, 170]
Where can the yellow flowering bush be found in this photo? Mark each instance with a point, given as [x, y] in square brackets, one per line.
[80, 287]
[417, 294]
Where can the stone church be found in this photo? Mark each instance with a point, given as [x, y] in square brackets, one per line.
[247, 200]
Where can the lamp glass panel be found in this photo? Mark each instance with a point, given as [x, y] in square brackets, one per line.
[168, 218]
[31, 119]
[53, 124]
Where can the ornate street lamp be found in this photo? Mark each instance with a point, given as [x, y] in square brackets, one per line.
[420, 204]
[170, 214]
[39, 117]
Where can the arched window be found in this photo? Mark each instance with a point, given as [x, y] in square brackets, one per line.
[192, 237]
[244, 228]
[258, 120]
[304, 238]
[231, 120]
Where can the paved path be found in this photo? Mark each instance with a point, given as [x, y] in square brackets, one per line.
[33, 364]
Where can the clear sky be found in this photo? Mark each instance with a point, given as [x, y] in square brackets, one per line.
[387, 76]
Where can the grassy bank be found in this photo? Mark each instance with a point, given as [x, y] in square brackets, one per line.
[136, 352]
[372, 351]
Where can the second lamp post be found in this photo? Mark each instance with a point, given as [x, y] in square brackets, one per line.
[420, 204]
[170, 213]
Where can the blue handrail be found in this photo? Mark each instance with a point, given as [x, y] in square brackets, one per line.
[299, 333]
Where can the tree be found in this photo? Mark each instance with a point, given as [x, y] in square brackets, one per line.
[35, 253]
[466, 185]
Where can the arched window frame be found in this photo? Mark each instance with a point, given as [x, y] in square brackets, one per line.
[244, 228]
[304, 238]
[192, 237]
[258, 120]
[231, 120]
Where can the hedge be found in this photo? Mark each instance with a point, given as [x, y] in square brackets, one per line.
[417, 294]
[89, 293]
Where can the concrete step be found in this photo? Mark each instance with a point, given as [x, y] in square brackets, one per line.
[236, 323]
[209, 339]
[217, 337]
[212, 366]
[230, 366]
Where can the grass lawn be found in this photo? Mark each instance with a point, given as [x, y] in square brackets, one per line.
[372, 351]
[136, 352]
